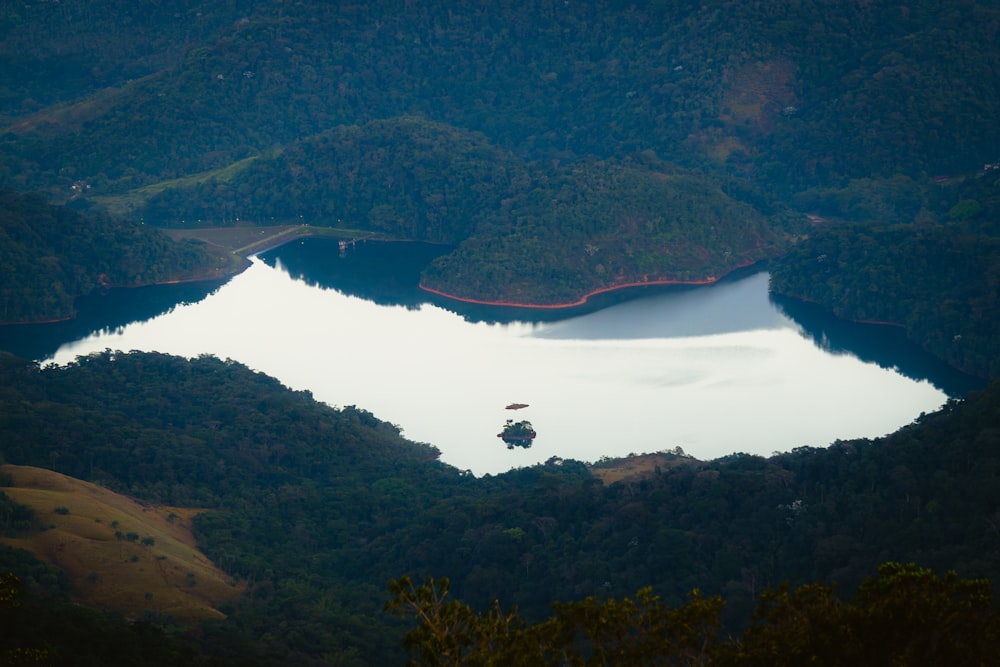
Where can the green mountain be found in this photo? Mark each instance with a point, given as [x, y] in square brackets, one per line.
[562, 148]
[803, 95]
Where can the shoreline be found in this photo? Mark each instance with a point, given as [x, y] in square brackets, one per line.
[829, 311]
[218, 276]
[663, 282]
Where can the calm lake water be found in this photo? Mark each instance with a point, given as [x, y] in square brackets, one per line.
[714, 370]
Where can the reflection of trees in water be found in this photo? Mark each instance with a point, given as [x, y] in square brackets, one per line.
[386, 273]
[103, 312]
[886, 346]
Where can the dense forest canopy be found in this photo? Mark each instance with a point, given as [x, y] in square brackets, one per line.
[940, 280]
[316, 508]
[804, 94]
[50, 255]
[562, 148]
[905, 615]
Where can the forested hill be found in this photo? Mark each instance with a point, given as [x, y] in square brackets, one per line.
[563, 147]
[315, 508]
[938, 279]
[526, 232]
[50, 255]
[800, 94]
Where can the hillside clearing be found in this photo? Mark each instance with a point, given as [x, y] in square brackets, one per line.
[118, 552]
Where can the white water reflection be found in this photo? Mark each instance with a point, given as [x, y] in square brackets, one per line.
[715, 370]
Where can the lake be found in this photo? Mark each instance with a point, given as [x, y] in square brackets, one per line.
[713, 370]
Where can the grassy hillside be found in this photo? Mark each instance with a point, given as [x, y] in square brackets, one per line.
[119, 553]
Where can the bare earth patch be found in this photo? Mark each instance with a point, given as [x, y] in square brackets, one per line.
[610, 471]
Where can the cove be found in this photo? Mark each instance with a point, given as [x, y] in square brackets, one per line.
[715, 370]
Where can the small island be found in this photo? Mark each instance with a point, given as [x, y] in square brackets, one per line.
[517, 434]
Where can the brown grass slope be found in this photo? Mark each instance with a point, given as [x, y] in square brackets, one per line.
[119, 553]
[636, 466]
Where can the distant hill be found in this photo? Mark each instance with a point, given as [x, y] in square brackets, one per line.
[801, 95]
[939, 280]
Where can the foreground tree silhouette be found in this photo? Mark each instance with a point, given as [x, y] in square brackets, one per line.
[905, 616]
[589, 632]
[11, 592]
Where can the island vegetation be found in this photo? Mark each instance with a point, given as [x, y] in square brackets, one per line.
[517, 434]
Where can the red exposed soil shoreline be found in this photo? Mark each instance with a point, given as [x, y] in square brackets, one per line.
[583, 299]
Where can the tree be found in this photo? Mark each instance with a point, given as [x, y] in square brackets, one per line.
[10, 601]
[517, 434]
[450, 633]
[588, 632]
[904, 616]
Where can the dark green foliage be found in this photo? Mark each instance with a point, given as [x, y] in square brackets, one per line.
[564, 148]
[904, 616]
[597, 225]
[300, 489]
[591, 632]
[939, 282]
[45, 582]
[403, 177]
[517, 434]
[798, 95]
[50, 255]
[526, 232]
[55, 632]
[51, 55]
[16, 518]
[315, 508]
